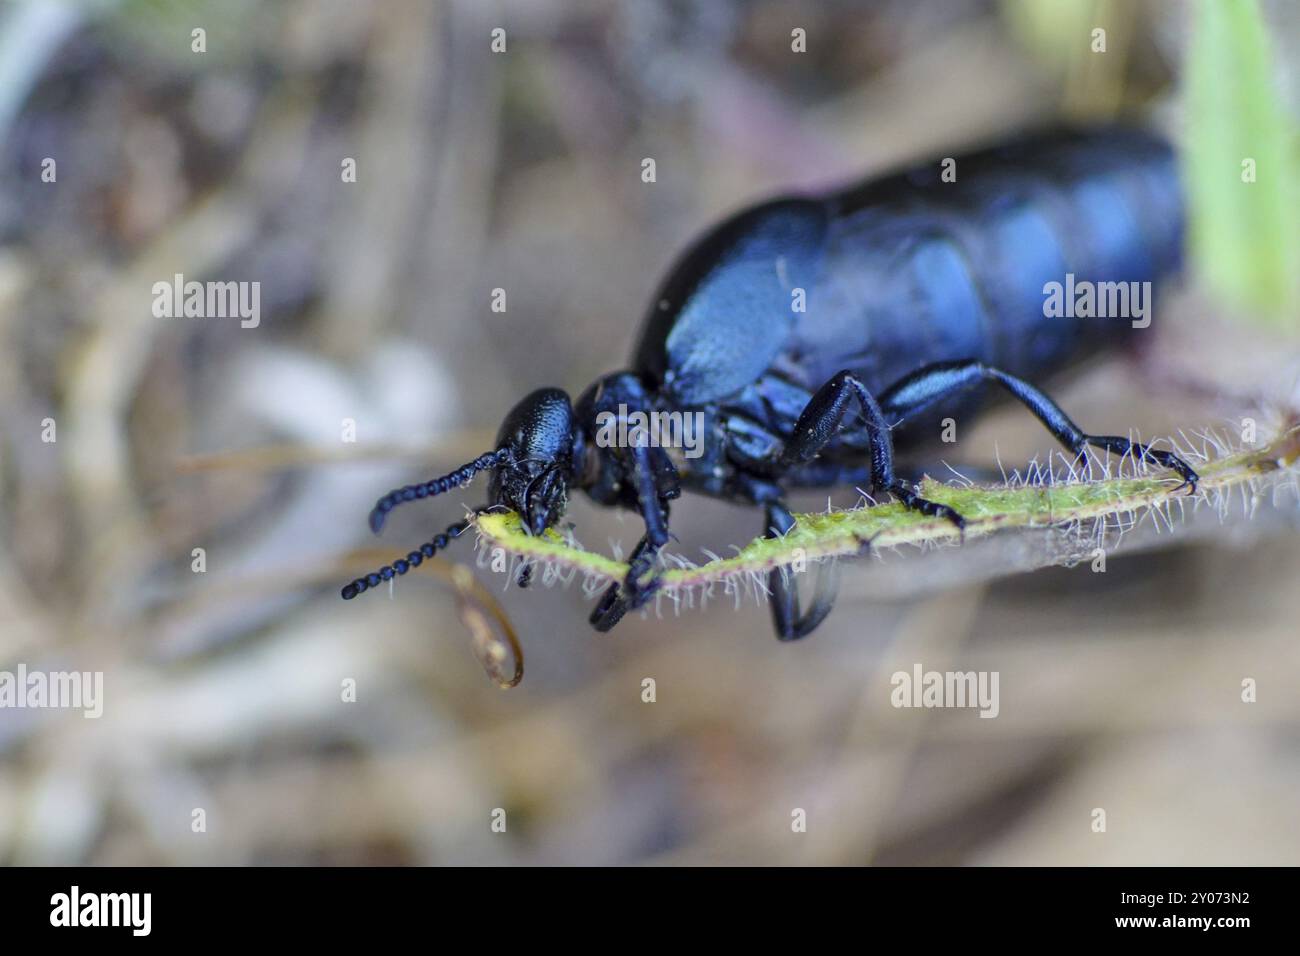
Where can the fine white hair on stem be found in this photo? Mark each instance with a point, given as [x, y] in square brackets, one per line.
[1237, 479]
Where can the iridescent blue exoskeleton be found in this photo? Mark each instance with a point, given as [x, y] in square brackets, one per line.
[819, 335]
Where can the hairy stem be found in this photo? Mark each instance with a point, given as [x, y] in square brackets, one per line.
[1019, 505]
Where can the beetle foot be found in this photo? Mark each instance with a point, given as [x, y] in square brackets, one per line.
[910, 499]
[1165, 459]
[610, 610]
[644, 589]
[644, 578]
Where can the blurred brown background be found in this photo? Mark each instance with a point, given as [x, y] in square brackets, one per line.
[521, 171]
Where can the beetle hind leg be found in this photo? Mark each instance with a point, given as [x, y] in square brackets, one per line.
[1119, 445]
[930, 384]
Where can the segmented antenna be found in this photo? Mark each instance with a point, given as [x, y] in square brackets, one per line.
[402, 565]
[435, 487]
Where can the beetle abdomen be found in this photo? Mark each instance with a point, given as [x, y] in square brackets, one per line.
[917, 269]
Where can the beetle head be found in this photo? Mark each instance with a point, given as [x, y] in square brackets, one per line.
[536, 459]
[538, 452]
[541, 446]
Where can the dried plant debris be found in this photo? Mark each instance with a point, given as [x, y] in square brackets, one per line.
[1072, 509]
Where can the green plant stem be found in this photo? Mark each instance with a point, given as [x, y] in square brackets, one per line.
[987, 509]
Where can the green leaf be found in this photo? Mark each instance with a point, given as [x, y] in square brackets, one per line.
[1245, 239]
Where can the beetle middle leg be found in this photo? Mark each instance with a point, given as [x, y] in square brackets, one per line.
[933, 383]
[790, 624]
[820, 421]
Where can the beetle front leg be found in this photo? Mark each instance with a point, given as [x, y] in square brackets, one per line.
[624, 596]
[819, 423]
[642, 580]
[634, 590]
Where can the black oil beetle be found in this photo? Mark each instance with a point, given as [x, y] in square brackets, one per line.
[818, 335]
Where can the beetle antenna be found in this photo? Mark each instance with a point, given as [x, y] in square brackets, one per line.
[402, 565]
[435, 487]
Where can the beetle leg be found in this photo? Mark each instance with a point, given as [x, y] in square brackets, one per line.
[633, 591]
[942, 380]
[1166, 459]
[819, 423]
[790, 624]
[621, 597]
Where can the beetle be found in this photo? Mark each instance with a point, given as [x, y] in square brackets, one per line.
[820, 335]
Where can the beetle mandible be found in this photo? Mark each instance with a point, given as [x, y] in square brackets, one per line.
[915, 292]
